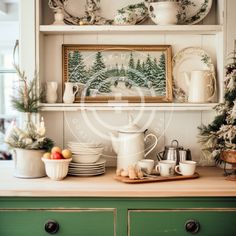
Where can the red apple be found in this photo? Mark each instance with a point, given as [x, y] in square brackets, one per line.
[56, 156]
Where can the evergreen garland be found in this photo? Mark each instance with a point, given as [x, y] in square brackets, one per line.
[221, 133]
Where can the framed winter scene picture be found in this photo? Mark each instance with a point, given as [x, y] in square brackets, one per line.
[118, 73]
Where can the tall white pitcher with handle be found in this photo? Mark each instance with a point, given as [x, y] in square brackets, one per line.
[129, 144]
[69, 93]
[201, 86]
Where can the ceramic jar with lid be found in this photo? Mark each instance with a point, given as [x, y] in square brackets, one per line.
[164, 13]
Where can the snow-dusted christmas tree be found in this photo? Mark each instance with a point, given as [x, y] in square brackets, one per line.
[99, 78]
[220, 135]
[160, 71]
[77, 71]
[148, 71]
[131, 69]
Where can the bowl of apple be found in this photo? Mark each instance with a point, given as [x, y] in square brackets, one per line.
[57, 163]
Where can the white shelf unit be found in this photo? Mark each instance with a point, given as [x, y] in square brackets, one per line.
[67, 122]
[128, 107]
[209, 36]
[170, 29]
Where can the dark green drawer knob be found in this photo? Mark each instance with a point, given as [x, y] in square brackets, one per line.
[192, 226]
[51, 227]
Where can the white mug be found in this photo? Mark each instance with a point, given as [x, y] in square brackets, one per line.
[186, 168]
[166, 168]
[147, 165]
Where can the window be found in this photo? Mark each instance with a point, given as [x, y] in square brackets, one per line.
[9, 31]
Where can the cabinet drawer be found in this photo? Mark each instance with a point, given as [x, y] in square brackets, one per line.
[217, 222]
[71, 222]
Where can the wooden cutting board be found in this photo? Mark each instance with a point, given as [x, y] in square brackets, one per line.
[155, 179]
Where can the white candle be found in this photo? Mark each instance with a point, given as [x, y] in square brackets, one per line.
[42, 128]
[42, 125]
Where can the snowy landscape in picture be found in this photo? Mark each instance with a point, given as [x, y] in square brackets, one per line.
[118, 73]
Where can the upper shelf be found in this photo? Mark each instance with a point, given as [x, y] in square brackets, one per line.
[180, 29]
[128, 106]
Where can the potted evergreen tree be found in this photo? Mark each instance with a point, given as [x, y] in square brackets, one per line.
[218, 139]
[30, 142]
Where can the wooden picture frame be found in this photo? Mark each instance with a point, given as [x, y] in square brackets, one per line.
[119, 73]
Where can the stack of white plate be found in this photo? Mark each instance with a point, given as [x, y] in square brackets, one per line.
[85, 153]
[92, 169]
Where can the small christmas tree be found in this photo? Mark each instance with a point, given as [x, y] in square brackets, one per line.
[99, 79]
[221, 133]
[77, 70]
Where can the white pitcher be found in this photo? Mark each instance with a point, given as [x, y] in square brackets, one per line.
[69, 93]
[51, 92]
[201, 86]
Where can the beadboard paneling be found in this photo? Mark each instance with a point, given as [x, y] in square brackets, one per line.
[54, 126]
[53, 61]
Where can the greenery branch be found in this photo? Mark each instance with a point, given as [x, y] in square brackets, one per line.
[28, 95]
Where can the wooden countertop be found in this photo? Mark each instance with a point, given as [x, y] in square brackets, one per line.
[211, 183]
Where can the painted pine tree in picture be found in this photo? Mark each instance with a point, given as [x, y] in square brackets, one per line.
[128, 73]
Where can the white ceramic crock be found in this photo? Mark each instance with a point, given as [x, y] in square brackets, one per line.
[28, 163]
[164, 13]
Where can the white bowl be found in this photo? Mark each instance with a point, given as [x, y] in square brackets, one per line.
[84, 145]
[86, 152]
[56, 169]
[86, 159]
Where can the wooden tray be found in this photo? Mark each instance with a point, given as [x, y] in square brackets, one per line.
[155, 179]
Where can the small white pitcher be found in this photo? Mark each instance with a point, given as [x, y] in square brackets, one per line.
[69, 93]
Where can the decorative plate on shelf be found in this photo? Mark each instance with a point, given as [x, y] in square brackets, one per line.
[187, 60]
[193, 11]
[102, 11]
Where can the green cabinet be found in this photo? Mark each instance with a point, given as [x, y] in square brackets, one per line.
[180, 222]
[71, 222]
[86, 216]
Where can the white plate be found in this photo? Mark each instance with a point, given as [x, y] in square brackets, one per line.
[86, 172]
[108, 10]
[87, 168]
[99, 162]
[92, 174]
[187, 60]
[195, 12]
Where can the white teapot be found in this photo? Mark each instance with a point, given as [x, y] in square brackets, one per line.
[129, 145]
[201, 86]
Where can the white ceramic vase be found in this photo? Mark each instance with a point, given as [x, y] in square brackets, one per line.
[51, 92]
[164, 13]
[28, 163]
